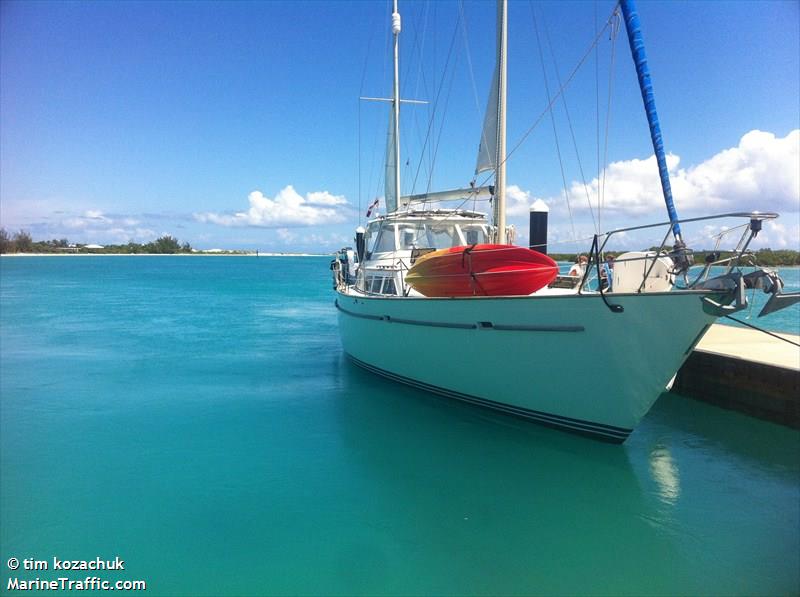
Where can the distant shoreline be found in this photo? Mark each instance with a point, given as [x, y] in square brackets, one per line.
[198, 254]
[220, 254]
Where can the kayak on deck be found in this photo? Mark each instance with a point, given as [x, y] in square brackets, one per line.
[481, 270]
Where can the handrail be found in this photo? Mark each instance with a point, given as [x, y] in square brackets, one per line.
[754, 215]
[651, 257]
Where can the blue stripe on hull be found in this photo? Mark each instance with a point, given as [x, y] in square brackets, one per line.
[607, 433]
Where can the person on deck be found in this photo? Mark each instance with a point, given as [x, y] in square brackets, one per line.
[579, 267]
[607, 273]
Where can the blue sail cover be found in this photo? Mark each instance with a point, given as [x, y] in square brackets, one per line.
[640, 58]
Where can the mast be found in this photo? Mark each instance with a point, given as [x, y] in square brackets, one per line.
[636, 42]
[396, 26]
[500, 176]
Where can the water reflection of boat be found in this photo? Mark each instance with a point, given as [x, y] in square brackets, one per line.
[477, 502]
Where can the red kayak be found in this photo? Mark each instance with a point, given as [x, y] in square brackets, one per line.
[481, 270]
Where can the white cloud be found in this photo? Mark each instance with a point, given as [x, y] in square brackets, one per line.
[121, 235]
[630, 186]
[779, 235]
[97, 226]
[325, 198]
[75, 223]
[87, 226]
[518, 202]
[329, 241]
[288, 208]
[286, 235]
[761, 173]
[93, 214]
[312, 240]
[89, 219]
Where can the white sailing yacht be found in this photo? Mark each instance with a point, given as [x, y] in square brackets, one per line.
[512, 353]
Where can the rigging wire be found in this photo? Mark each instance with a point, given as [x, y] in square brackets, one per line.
[358, 150]
[438, 143]
[360, 93]
[483, 141]
[469, 62]
[374, 153]
[750, 325]
[597, 108]
[553, 119]
[569, 122]
[539, 118]
[435, 106]
[432, 147]
[421, 81]
[614, 30]
[701, 237]
[592, 46]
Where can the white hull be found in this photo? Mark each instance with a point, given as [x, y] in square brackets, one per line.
[564, 361]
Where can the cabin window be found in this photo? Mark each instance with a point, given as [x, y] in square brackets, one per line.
[442, 236]
[413, 236]
[408, 238]
[474, 235]
[385, 241]
[381, 284]
[369, 239]
[388, 286]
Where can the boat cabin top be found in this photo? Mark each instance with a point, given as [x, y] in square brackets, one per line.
[414, 231]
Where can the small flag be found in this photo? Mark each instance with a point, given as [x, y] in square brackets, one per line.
[373, 206]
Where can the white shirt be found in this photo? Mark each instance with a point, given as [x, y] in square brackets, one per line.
[577, 269]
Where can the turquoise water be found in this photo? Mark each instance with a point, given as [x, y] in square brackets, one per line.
[195, 417]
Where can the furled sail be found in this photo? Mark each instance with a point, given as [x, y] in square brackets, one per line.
[636, 43]
[391, 167]
[487, 150]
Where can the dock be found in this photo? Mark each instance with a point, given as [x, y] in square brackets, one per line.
[745, 370]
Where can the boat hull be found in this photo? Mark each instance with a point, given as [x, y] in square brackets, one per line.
[566, 361]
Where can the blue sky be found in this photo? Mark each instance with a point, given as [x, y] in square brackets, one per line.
[128, 120]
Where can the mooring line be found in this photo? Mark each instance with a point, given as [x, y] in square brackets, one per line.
[762, 330]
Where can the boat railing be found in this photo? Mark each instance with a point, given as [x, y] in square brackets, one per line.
[680, 258]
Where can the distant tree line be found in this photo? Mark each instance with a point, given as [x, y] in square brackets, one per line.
[765, 257]
[21, 242]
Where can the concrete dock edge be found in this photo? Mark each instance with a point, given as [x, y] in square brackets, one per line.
[746, 371]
